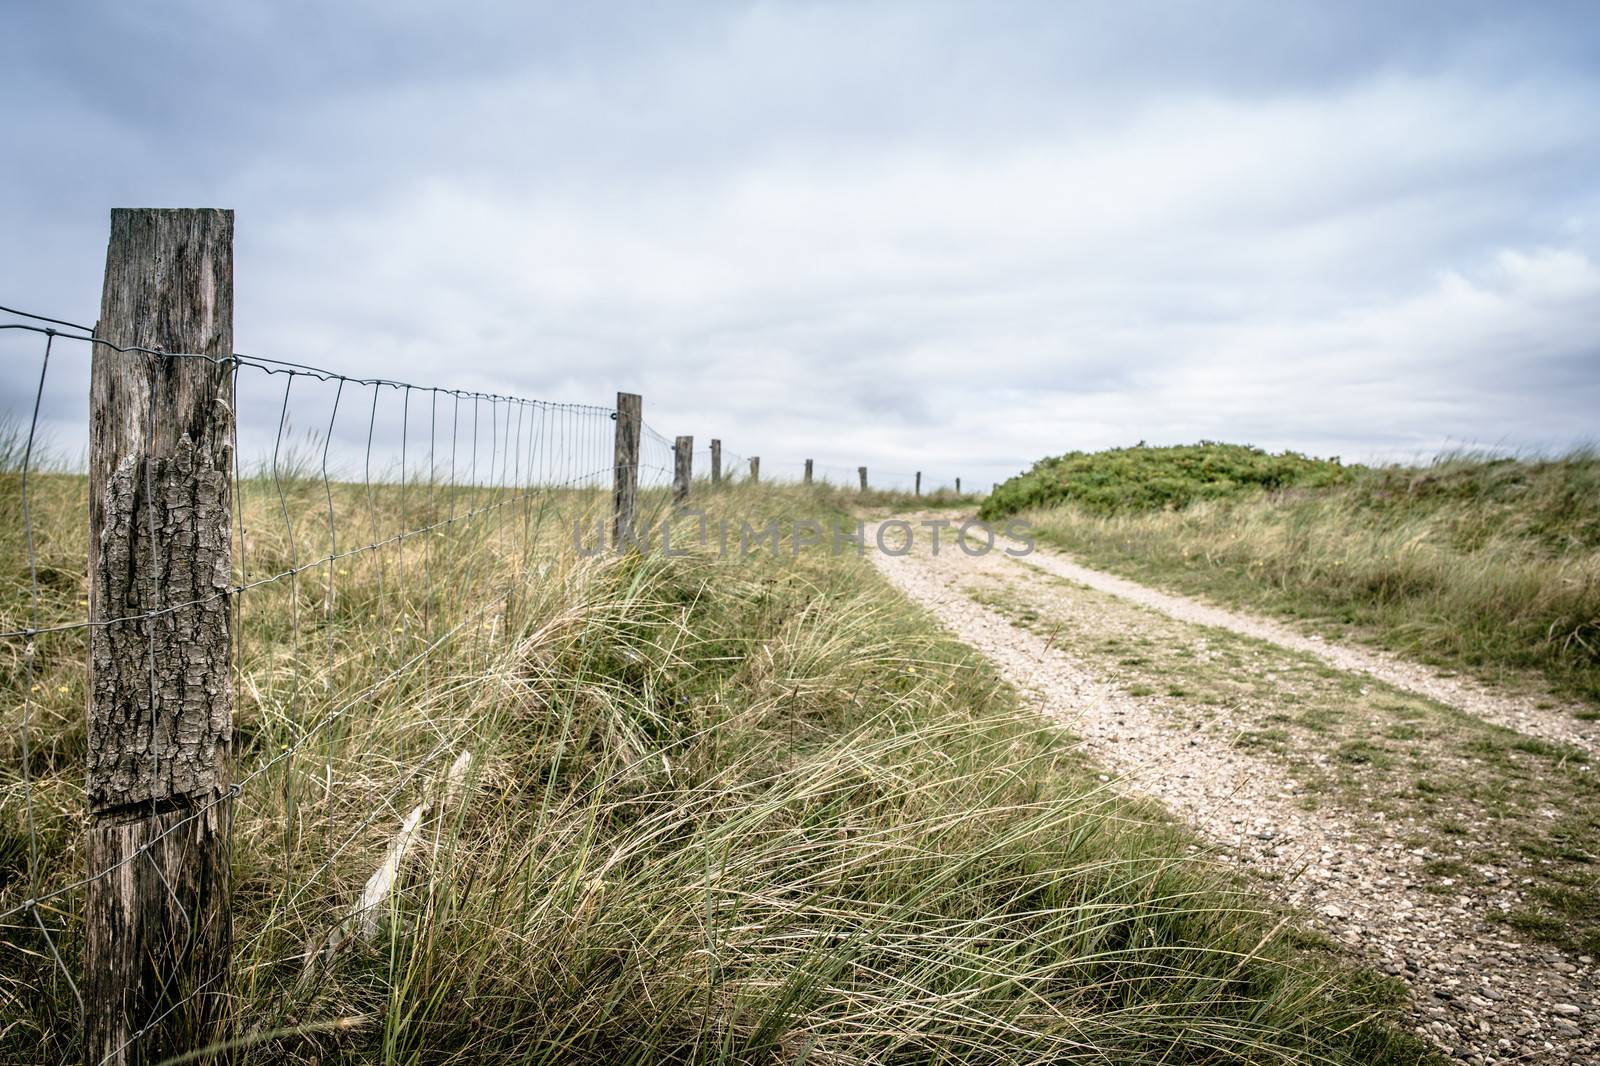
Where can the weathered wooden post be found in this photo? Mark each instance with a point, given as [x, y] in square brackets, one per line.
[755, 469]
[958, 486]
[808, 471]
[157, 936]
[716, 462]
[863, 472]
[918, 490]
[682, 468]
[630, 416]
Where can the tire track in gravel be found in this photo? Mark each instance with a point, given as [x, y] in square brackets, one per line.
[1480, 993]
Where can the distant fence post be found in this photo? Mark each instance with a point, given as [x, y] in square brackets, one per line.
[755, 469]
[682, 468]
[808, 471]
[716, 462]
[630, 416]
[863, 472]
[918, 490]
[157, 934]
[958, 486]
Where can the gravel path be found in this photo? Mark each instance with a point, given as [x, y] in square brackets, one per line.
[1480, 993]
[1554, 722]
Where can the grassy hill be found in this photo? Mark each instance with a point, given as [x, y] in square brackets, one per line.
[1480, 563]
[1140, 478]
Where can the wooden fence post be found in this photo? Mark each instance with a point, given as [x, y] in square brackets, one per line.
[755, 469]
[808, 471]
[863, 472]
[716, 462]
[630, 416]
[958, 486]
[682, 468]
[918, 490]
[157, 935]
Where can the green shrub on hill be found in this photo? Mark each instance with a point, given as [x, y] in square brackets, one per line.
[1141, 478]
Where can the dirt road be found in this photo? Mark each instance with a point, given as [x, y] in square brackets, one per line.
[1389, 805]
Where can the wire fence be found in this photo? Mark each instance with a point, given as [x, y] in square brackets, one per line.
[374, 554]
[736, 467]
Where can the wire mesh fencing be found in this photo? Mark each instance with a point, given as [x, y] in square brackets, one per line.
[381, 535]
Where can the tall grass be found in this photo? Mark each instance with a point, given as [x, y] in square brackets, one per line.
[729, 810]
[1481, 564]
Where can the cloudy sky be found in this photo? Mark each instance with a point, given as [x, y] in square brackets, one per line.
[920, 236]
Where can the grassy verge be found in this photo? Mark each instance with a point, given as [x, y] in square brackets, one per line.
[740, 809]
[1491, 567]
[1508, 815]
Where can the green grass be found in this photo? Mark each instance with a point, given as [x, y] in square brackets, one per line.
[723, 810]
[1141, 478]
[1489, 566]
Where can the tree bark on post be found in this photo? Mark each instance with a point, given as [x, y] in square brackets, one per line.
[808, 471]
[918, 490]
[157, 935]
[630, 417]
[716, 462]
[682, 468]
[863, 472]
[755, 469]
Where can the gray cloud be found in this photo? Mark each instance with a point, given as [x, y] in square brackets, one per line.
[946, 237]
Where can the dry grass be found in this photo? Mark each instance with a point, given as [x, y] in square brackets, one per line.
[723, 810]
